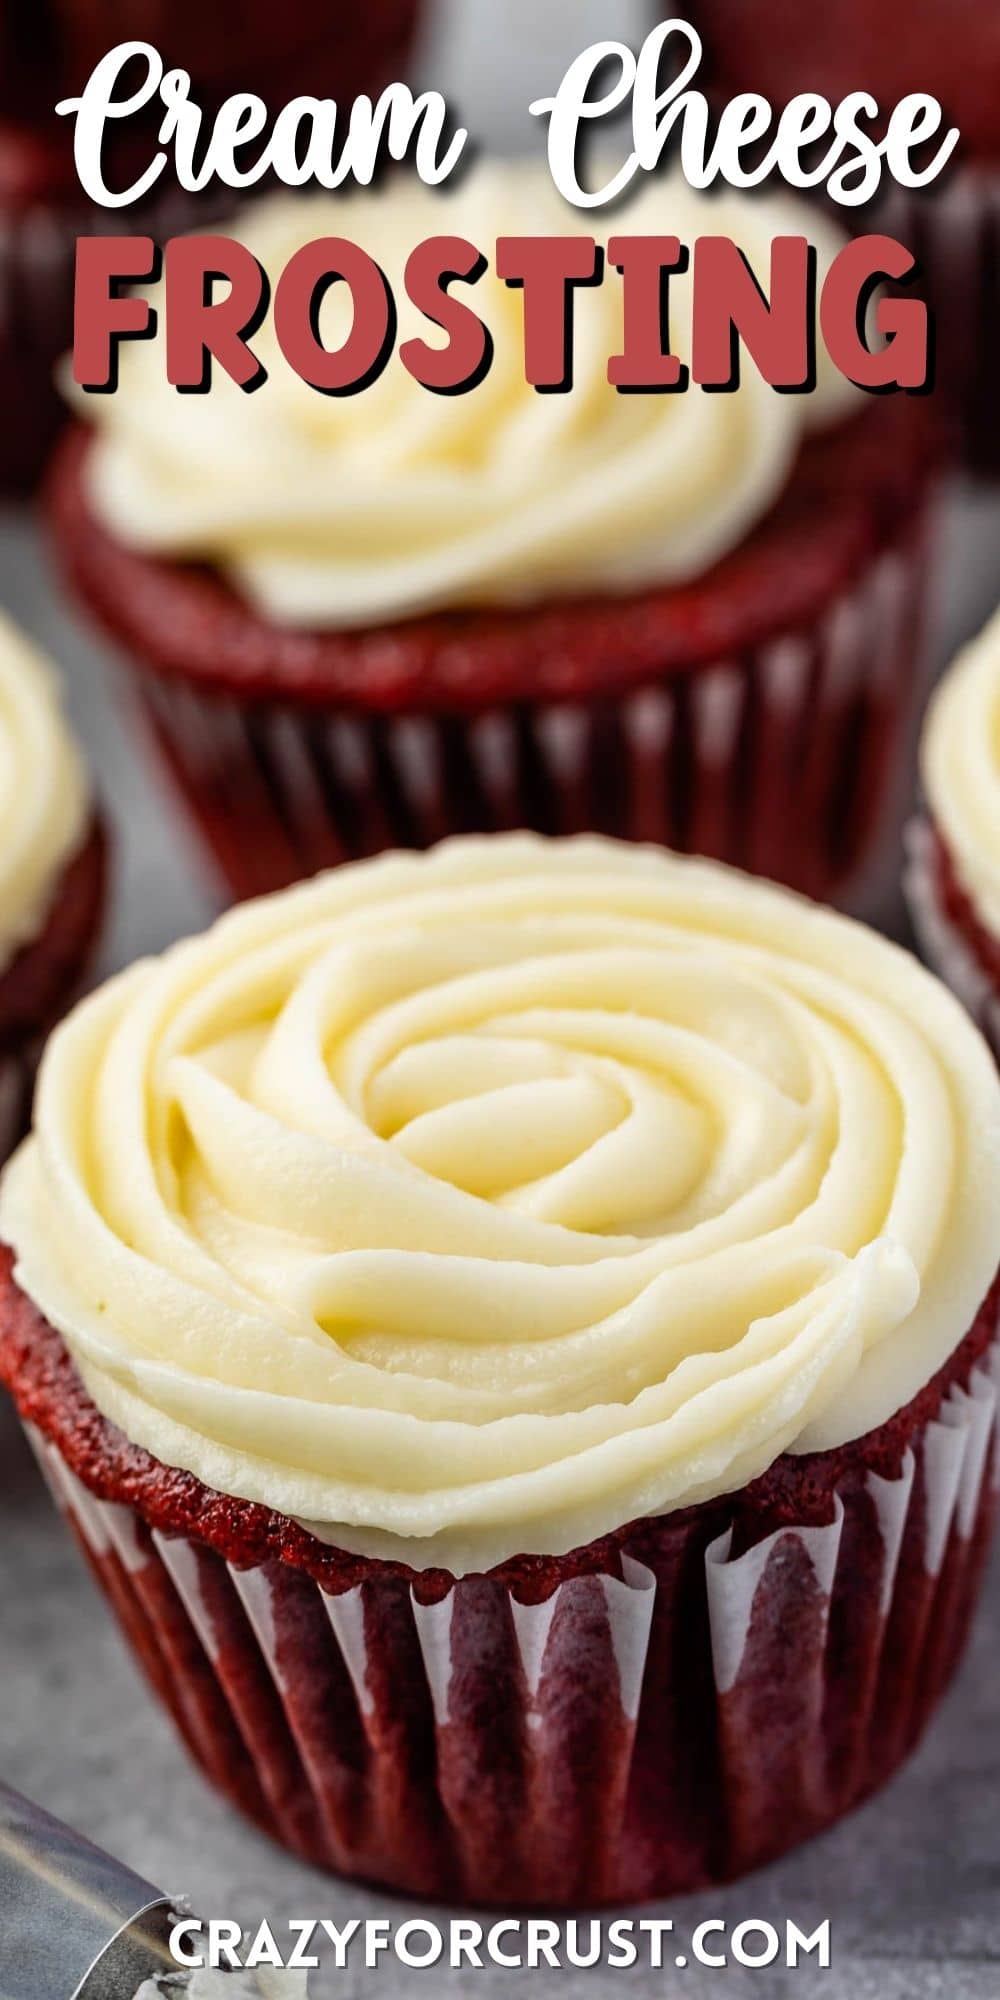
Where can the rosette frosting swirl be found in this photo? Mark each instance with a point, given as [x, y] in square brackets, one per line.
[352, 510]
[44, 794]
[482, 1201]
[960, 759]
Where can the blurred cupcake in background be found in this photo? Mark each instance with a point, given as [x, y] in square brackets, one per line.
[47, 50]
[232, 45]
[953, 873]
[950, 49]
[371, 621]
[52, 872]
[40, 218]
[514, 1332]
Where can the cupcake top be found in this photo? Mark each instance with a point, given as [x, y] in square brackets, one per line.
[960, 765]
[478, 1202]
[356, 510]
[44, 794]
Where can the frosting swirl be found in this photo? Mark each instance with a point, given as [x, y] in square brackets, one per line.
[960, 765]
[346, 511]
[482, 1201]
[44, 795]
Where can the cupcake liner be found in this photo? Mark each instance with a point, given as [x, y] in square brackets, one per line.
[953, 231]
[710, 1691]
[948, 948]
[780, 759]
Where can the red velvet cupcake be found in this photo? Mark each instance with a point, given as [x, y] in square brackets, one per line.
[953, 868]
[29, 83]
[36, 297]
[361, 622]
[52, 865]
[514, 1331]
[42, 215]
[950, 48]
[278, 52]
[47, 50]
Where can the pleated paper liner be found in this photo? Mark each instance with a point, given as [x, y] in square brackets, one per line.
[782, 760]
[668, 1708]
[947, 932]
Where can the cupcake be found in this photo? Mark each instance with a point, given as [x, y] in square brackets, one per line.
[241, 45]
[43, 213]
[37, 249]
[952, 49]
[47, 53]
[371, 621]
[51, 872]
[953, 871]
[514, 1332]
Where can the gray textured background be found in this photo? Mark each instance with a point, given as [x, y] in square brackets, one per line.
[912, 1883]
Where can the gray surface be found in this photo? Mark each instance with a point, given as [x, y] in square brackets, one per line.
[911, 1884]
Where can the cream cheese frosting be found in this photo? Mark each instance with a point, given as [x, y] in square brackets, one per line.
[347, 511]
[482, 1201]
[960, 764]
[44, 793]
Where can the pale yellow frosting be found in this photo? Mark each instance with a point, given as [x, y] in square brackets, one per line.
[352, 510]
[960, 763]
[44, 795]
[482, 1201]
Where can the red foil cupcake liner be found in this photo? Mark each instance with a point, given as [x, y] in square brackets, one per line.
[782, 759]
[949, 935]
[669, 1707]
